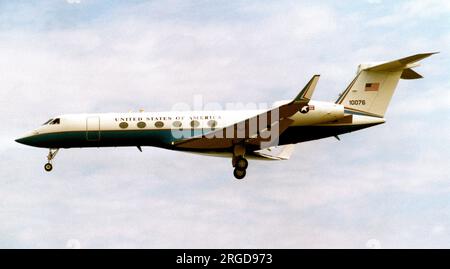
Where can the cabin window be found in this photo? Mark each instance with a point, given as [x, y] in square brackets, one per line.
[177, 124]
[141, 124]
[212, 124]
[123, 125]
[195, 123]
[159, 124]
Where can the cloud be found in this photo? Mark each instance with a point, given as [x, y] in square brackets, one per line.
[412, 13]
[438, 229]
[73, 1]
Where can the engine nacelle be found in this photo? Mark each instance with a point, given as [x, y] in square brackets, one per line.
[318, 112]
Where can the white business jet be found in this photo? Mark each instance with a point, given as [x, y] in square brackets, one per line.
[240, 135]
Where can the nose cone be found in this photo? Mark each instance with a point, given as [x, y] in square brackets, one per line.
[27, 139]
[24, 140]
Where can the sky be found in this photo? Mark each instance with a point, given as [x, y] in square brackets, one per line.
[383, 187]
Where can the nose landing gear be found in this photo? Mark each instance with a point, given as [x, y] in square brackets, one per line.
[48, 167]
[51, 155]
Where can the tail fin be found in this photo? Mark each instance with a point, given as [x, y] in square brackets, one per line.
[371, 90]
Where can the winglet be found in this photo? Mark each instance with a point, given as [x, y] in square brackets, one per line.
[306, 94]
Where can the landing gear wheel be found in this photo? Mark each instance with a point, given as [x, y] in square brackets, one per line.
[48, 167]
[238, 161]
[51, 155]
[239, 173]
[241, 163]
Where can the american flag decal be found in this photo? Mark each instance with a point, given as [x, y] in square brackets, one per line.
[372, 87]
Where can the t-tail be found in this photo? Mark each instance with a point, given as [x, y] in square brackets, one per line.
[371, 90]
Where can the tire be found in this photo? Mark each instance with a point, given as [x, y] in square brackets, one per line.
[239, 173]
[241, 163]
[48, 167]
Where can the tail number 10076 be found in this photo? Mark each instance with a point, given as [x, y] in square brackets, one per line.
[357, 102]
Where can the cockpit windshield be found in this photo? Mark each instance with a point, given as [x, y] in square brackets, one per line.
[47, 122]
[52, 121]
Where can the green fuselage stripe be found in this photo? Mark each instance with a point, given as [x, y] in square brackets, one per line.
[109, 138]
[165, 137]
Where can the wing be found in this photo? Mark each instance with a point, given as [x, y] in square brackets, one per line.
[260, 131]
[276, 153]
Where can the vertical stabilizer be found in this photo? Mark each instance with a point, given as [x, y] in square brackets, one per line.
[372, 89]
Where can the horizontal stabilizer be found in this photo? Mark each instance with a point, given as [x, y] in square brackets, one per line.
[408, 73]
[400, 64]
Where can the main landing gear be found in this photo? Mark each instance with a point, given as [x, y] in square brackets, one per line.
[51, 155]
[240, 164]
[240, 167]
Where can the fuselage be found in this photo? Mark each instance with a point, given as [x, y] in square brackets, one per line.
[164, 129]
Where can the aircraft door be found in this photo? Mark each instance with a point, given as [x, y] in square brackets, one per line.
[93, 128]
